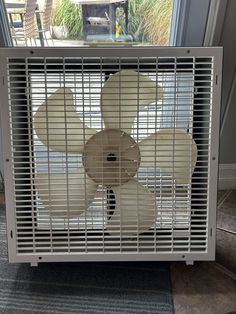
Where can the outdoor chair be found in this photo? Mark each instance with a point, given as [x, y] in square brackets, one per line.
[24, 29]
[46, 19]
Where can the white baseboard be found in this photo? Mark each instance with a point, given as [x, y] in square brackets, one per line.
[227, 177]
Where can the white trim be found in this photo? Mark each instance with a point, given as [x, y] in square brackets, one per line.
[5, 33]
[108, 52]
[187, 27]
[34, 260]
[227, 176]
[229, 103]
[211, 24]
[215, 22]
[177, 22]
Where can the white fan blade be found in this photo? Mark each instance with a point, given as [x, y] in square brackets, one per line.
[135, 209]
[172, 150]
[123, 95]
[65, 195]
[58, 126]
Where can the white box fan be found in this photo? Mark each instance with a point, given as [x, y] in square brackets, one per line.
[111, 154]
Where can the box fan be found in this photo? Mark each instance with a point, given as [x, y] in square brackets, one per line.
[110, 153]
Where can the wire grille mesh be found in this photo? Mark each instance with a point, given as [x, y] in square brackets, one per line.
[57, 207]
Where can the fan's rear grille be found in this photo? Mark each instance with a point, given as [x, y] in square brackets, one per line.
[181, 210]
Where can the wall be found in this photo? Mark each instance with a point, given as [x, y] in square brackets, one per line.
[228, 117]
[221, 31]
[190, 32]
[224, 35]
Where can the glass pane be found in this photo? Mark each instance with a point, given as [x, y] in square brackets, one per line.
[89, 22]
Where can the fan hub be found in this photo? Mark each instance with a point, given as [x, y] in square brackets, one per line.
[111, 157]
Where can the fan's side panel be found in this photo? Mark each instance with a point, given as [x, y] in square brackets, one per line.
[112, 157]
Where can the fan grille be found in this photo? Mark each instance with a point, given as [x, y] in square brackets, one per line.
[181, 210]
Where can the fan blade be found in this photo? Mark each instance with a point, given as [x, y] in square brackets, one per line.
[134, 209]
[58, 126]
[123, 95]
[172, 150]
[65, 195]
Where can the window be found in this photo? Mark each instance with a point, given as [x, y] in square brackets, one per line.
[82, 22]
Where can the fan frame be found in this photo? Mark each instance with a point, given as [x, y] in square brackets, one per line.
[108, 52]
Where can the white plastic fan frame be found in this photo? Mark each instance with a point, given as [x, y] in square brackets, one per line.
[123, 52]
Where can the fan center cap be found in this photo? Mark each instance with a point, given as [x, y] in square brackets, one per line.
[111, 157]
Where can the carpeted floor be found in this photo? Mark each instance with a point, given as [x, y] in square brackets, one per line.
[83, 287]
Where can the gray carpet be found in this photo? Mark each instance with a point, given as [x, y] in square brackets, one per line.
[114, 288]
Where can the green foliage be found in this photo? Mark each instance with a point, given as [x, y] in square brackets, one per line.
[149, 20]
[69, 15]
[136, 21]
